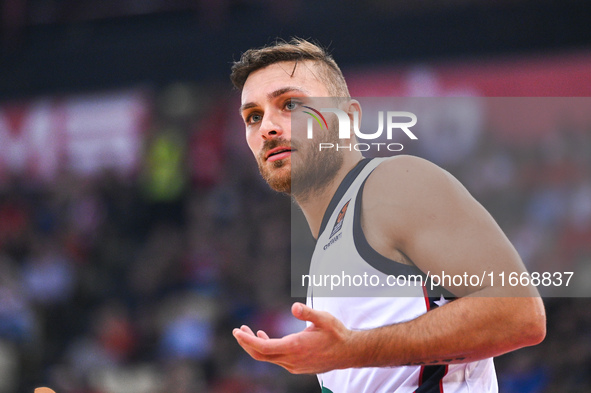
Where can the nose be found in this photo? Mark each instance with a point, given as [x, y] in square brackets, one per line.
[270, 127]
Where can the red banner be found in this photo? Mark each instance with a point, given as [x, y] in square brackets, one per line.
[82, 134]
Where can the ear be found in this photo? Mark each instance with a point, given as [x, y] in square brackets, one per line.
[351, 107]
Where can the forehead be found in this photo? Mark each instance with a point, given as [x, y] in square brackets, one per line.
[305, 75]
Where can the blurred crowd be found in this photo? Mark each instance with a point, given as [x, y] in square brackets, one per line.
[112, 284]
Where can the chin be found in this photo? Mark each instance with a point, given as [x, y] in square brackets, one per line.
[282, 185]
[277, 175]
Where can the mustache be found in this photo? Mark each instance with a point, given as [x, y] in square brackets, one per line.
[273, 143]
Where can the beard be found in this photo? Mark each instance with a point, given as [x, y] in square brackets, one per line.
[276, 173]
[308, 170]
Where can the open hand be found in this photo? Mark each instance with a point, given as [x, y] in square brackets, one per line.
[321, 347]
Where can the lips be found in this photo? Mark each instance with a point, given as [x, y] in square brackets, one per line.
[278, 153]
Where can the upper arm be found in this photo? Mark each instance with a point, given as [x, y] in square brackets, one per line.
[425, 213]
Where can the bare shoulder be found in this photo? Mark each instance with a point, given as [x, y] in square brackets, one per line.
[411, 177]
[407, 192]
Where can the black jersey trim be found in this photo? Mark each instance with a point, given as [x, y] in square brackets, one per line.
[430, 379]
[341, 190]
[371, 256]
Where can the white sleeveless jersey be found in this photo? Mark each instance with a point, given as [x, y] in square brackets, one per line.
[365, 298]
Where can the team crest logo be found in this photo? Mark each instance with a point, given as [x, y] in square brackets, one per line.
[340, 218]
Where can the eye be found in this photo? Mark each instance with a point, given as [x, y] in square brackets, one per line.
[291, 105]
[253, 118]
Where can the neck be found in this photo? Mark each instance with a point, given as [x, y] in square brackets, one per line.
[314, 204]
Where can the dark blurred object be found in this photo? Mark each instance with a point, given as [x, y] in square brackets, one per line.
[59, 45]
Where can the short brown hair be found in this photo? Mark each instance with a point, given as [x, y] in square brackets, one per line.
[296, 50]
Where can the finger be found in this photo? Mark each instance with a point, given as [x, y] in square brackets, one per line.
[244, 340]
[243, 329]
[305, 313]
[266, 346]
[43, 390]
[262, 334]
[246, 329]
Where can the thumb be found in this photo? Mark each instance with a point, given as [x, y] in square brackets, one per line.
[305, 313]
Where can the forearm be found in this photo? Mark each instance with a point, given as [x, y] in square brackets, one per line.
[468, 329]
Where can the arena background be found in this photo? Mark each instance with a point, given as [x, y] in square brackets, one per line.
[135, 232]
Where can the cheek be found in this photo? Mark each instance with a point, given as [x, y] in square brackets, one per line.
[253, 142]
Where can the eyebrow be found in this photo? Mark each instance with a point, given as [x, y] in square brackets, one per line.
[273, 94]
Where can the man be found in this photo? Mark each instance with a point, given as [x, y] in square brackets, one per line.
[399, 216]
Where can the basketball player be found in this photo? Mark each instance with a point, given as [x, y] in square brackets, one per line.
[394, 216]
